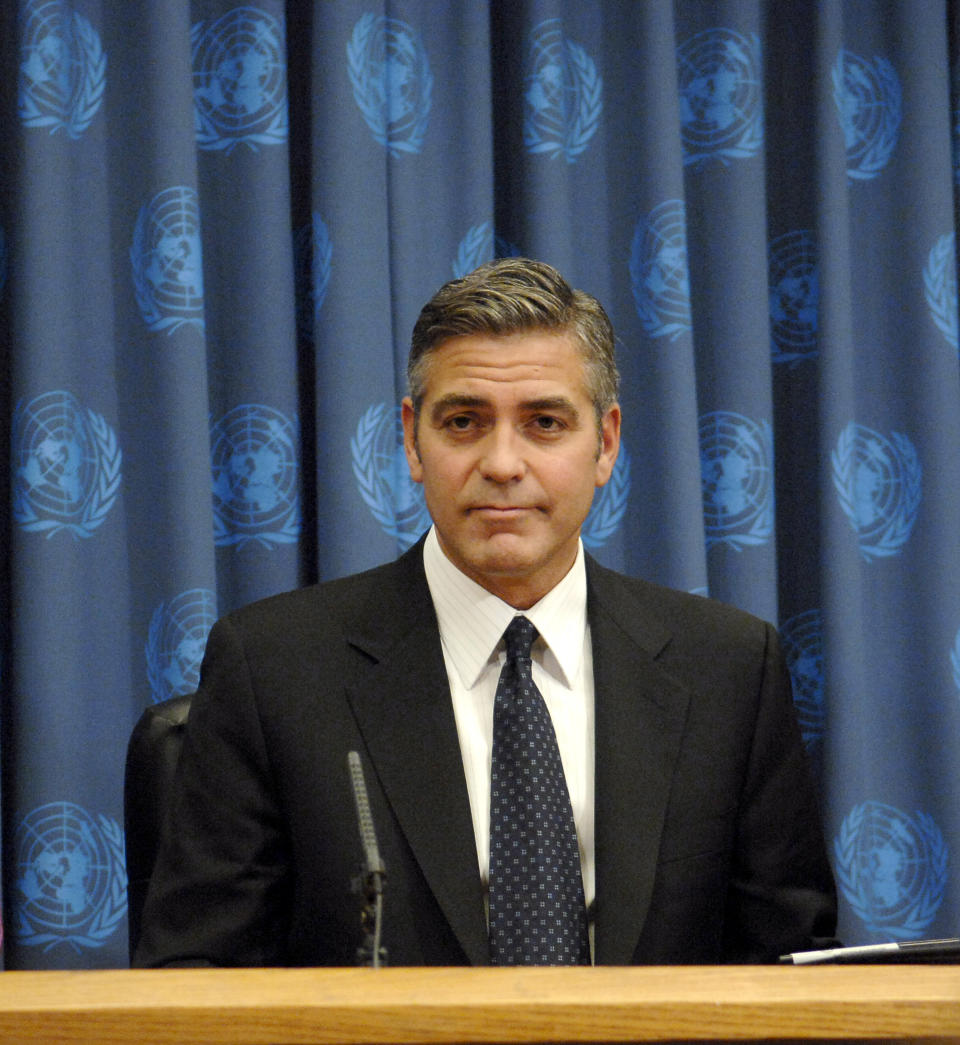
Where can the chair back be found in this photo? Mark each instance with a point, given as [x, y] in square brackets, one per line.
[152, 755]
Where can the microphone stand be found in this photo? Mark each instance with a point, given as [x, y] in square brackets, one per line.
[370, 952]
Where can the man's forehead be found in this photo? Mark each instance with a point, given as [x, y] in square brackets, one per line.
[493, 342]
[529, 357]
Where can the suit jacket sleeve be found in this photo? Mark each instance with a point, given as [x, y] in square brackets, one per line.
[218, 894]
[782, 896]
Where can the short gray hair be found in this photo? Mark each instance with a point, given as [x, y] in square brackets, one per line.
[513, 296]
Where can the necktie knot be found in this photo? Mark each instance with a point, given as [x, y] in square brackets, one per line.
[519, 638]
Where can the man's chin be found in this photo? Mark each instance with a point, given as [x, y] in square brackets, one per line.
[508, 552]
[502, 553]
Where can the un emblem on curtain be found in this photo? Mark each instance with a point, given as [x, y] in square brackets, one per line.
[63, 69]
[892, 869]
[66, 466]
[167, 260]
[392, 82]
[563, 94]
[880, 485]
[720, 73]
[70, 878]
[256, 495]
[176, 641]
[240, 80]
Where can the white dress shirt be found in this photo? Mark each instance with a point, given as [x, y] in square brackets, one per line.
[472, 622]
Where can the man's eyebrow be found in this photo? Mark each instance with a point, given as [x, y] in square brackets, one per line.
[545, 404]
[556, 404]
[455, 401]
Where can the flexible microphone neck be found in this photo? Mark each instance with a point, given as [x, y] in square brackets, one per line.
[371, 884]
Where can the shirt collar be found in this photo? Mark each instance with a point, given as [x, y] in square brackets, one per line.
[472, 620]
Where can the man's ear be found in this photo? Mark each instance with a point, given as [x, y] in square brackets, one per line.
[609, 444]
[410, 439]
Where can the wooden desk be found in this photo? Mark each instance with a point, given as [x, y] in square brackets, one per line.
[359, 1006]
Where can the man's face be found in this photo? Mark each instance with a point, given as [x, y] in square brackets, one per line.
[509, 455]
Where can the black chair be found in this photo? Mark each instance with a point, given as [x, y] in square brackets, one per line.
[151, 760]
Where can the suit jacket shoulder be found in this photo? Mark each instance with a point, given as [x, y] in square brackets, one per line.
[675, 627]
[379, 604]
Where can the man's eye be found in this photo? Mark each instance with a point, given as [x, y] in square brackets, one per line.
[460, 423]
[545, 423]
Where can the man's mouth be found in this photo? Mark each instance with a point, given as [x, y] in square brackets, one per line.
[504, 511]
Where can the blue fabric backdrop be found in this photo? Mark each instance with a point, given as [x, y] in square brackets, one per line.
[217, 224]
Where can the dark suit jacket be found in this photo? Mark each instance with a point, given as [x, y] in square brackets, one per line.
[709, 846]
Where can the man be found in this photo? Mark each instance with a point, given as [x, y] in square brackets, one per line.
[681, 788]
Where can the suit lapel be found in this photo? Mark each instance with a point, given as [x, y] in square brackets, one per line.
[404, 711]
[640, 714]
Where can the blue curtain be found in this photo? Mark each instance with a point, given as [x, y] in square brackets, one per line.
[218, 222]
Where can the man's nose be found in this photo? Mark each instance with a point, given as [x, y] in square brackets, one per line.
[502, 459]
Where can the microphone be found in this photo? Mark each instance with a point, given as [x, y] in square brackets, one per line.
[941, 951]
[371, 918]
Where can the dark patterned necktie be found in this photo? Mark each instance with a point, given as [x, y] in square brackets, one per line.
[537, 913]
